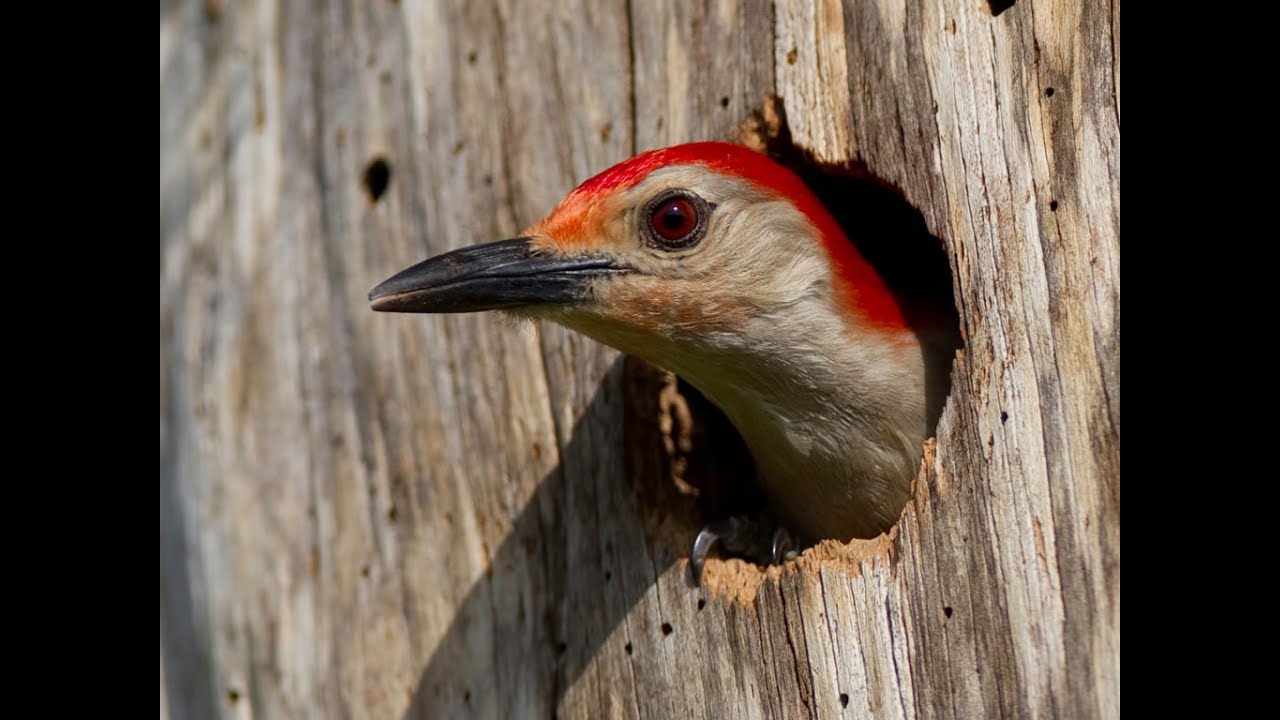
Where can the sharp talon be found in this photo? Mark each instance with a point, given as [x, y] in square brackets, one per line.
[783, 547]
[745, 537]
[698, 555]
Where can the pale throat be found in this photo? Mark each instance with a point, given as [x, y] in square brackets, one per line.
[842, 409]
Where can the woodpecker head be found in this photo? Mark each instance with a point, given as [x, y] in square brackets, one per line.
[714, 261]
[681, 247]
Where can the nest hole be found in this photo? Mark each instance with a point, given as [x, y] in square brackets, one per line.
[692, 444]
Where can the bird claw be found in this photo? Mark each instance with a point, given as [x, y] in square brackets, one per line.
[745, 537]
[783, 546]
[698, 555]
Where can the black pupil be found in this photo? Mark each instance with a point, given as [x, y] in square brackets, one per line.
[675, 219]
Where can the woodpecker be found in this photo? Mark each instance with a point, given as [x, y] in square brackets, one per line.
[714, 261]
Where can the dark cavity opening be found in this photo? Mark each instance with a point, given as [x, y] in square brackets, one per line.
[999, 6]
[376, 178]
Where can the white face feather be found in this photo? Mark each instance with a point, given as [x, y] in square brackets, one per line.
[833, 410]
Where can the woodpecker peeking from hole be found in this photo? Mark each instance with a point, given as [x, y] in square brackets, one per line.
[714, 261]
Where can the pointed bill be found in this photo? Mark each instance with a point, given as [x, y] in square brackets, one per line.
[494, 276]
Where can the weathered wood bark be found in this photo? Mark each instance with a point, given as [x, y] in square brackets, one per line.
[386, 516]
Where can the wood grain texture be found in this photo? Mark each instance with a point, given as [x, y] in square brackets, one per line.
[384, 516]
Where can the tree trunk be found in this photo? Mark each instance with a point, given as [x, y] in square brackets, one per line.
[386, 516]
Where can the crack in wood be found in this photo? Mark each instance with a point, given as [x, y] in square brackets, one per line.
[806, 698]
[893, 655]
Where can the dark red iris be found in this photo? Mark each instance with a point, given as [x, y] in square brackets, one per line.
[674, 219]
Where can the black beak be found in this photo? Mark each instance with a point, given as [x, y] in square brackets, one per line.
[503, 274]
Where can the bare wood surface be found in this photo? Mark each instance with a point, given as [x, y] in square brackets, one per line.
[384, 516]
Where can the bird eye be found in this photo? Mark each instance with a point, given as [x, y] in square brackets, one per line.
[676, 221]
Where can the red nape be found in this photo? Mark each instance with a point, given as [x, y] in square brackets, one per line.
[865, 291]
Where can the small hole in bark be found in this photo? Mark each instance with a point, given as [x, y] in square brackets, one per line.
[1053, 206]
[1004, 417]
[627, 647]
[844, 700]
[233, 696]
[947, 611]
[999, 6]
[471, 57]
[364, 571]
[608, 575]
[666, 629]
[1048, 92]
[392, 514]
[376, 178]
[791, 56]
[466, 696]
[724, 102]
[561, 647]
[701, 603]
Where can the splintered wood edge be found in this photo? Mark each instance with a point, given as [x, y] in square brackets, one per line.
[736, 580]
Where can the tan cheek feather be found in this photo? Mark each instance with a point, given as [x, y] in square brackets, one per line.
[663, 307]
